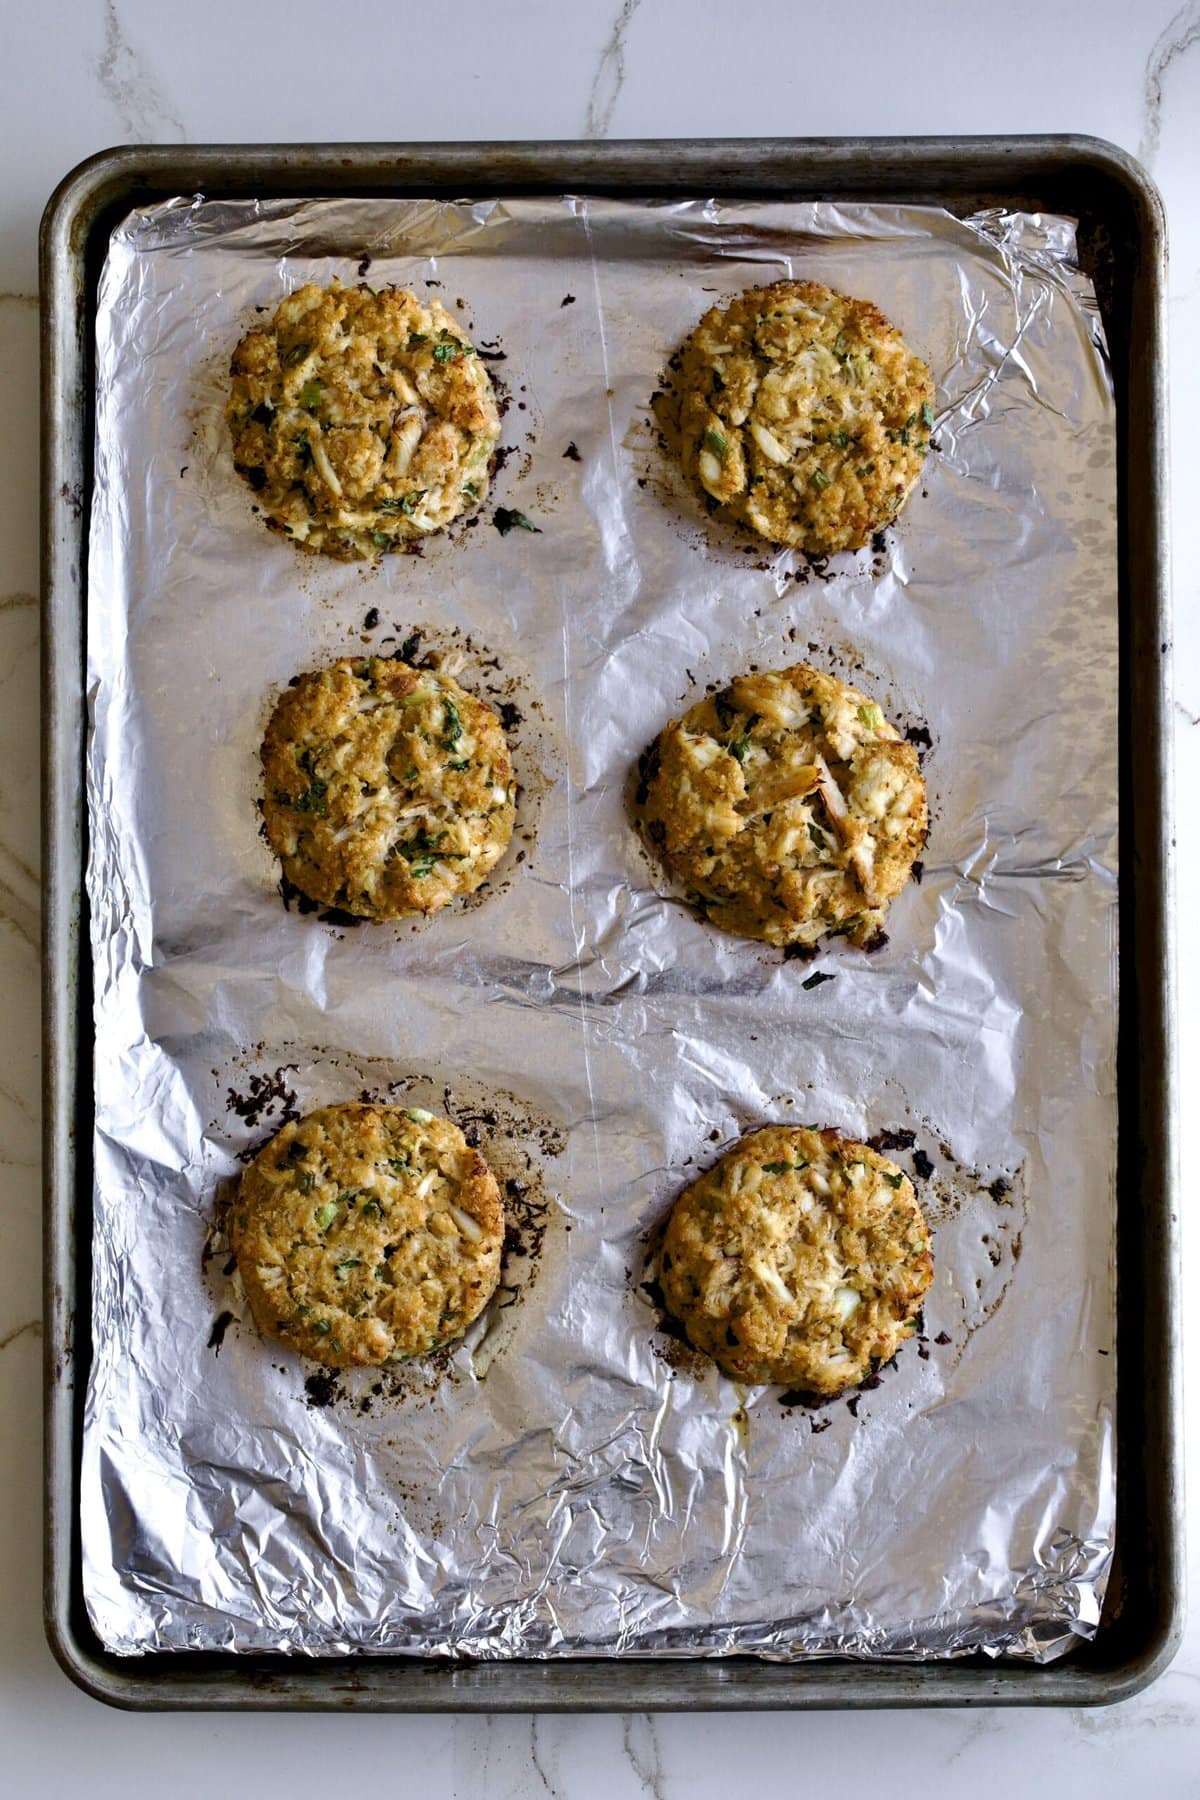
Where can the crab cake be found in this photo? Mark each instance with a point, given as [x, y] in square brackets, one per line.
[788, 806]
[389, 789]
[367, 1234]
[801, 1257]
[804, 415]
[361, 419]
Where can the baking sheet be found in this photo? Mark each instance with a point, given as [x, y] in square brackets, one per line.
[563, 1486]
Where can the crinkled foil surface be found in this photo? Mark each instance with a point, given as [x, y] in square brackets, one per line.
[567, 1483]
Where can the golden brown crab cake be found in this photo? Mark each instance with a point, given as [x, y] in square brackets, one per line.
[801, 1257]
[389, 790]
[788, 806]
[367, 1234]
[361, 419]
[804, 415]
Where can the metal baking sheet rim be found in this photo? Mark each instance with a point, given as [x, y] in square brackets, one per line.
[1124, 1657]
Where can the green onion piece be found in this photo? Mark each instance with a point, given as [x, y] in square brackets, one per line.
[927, 414]
[817, 835]
[453, 725]
[325, 1215]
[416, 339]
[740, 748]
[314, 801]
[714, 441]
[310, 395]
[446, 352]
[322, 1327]
[820, 480]
[871, 717]
[507, 517]
[841, 439]
[893, 1181]
[351, 1262]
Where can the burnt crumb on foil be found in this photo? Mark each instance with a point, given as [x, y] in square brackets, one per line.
[264, 1095]
[336, 915]
[472, 1121]
[364, 265]
[893, 1140]
[323, 1389]
[292, 896]
[571, 453]
[216, 1336]
[371, 621]
[920, 736]
[922, 1165]
[802, 1397]
[526, 1217]
[510, 715]
[801, 953]
[817, 980]
[567, 300]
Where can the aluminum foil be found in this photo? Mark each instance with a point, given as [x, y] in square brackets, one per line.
[565, 1482]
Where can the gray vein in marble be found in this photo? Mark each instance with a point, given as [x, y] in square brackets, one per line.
[20, 915]
[1106, 1722]
[1185, 712]
[9, 602]
[640, 1744]
[8, 854]
[10, 1337]
[10, 297]
[1176, 38]
[536, 1758]
[131, 87]
[610, 75]
[22, 1105]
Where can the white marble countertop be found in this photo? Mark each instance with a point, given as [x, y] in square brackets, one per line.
[85, 74]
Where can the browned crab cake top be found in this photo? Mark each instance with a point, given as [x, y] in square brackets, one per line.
[388, 789]
[367, 1234]
[801, 1257]
[804, 414]
[361, 419]
[788, 806]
